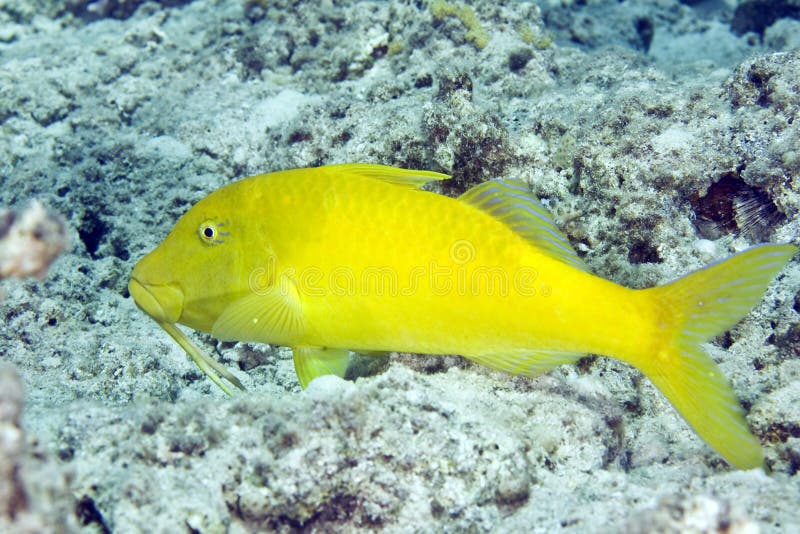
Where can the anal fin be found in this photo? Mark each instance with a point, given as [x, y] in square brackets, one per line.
[530, 363]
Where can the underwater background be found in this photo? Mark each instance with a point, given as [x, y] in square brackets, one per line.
[663, 135]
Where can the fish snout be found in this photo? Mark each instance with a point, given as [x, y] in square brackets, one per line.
[164, 303]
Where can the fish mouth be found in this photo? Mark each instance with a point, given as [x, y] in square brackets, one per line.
[164, 303]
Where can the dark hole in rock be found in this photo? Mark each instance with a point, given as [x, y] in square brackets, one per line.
[732, 206]
[92, 231]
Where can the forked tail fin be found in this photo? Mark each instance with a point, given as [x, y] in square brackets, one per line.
[692, 310]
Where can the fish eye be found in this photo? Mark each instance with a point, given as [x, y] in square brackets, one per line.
[209, 232]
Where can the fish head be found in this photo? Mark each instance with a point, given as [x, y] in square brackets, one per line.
[192, 275]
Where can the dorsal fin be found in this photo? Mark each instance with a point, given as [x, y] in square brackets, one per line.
[404, 177]
[511, 202]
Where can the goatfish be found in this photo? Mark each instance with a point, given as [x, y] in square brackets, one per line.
[357, 257]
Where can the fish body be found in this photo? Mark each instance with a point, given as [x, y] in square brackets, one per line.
[358, 257]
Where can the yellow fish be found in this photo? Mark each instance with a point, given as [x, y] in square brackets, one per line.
[358, 257]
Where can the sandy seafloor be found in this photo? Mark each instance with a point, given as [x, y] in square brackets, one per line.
[661, 140]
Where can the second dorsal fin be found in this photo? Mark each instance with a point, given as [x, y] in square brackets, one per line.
[511, 202]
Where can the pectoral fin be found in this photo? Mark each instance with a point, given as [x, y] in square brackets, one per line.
[311, 362]
[273, 315]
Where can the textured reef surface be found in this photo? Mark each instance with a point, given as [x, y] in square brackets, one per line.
[663, 136]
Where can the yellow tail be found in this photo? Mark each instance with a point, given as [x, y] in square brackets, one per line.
[692, 310]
